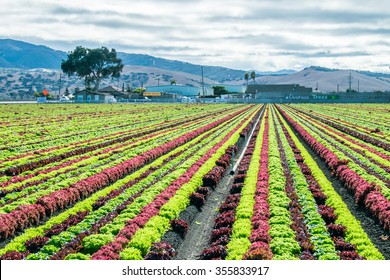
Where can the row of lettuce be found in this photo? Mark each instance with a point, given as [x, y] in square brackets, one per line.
[281, 205]
[287, 208]
[135, 189]
[28, 128]
[63, 169]
[366, 176]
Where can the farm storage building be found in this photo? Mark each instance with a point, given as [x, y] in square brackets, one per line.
[181, 90]
[285, 88]
[93, 96]
[114, 92]
[104, 95]
[232, 88]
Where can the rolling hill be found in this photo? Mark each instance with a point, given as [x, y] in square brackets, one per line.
[330, 80]
[22, 70]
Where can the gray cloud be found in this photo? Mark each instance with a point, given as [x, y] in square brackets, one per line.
[246, 34]
[324, 54]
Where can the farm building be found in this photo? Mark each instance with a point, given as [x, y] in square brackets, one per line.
[180, 90]
[104, 95]
[280, 88]
[232, 88]
[93, 96]
[114, 92]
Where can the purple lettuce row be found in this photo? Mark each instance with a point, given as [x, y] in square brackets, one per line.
[35, 244]
[197, 199]
[245, 132]
[212, 178]
[351, 132]
[298, 224]
[180, 227]
[17, 179]
[161, 251]
[222, 231]
[14, 255]
[260, 238]
[365, 194]
[217, 252]
[22, 217]
[72, 220]
[236, 188]
[16, 170]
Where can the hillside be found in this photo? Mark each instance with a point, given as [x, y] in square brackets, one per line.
[25, 68]
[18, 54]
[327, 79]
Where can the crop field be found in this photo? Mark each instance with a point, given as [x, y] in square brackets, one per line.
[194, 181]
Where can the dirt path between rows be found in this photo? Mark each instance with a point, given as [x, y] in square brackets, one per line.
[199, 234]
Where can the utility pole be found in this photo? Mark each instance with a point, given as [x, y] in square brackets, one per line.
[350, 82]
[202, 84]
[358, 86]
[158, 81]
[59, 86]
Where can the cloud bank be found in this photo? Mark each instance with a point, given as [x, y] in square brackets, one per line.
[251, 34]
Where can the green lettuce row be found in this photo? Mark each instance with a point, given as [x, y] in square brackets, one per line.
[324, 248]
[283, 243]
[355, 233]
[95, 142]
[352, 165]
[119, 154]
[74, 125]
[349, 147]
[366, 117]
[242, 228]
[66, 183]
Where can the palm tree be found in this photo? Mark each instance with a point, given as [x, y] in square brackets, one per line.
[246, 77]
[253, 76]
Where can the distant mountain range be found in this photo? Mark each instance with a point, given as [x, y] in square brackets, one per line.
[19, 59]
[18, 54]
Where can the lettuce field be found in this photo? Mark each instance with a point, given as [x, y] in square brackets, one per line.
[194, 181]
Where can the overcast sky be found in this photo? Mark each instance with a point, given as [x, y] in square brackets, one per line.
[241, 34]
